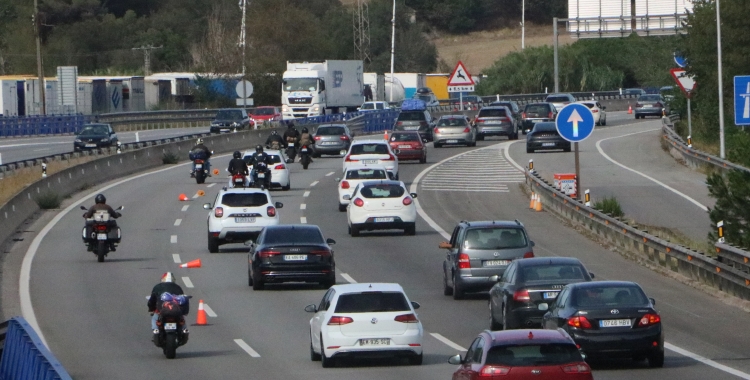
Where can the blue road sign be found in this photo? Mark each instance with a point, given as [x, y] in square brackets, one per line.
[742, 100]
[680, 60]
[575, 122]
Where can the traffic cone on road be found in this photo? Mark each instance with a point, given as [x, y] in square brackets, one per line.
[630, 109]
[385, 135]
[201, 319]
[192, 264]
[538, 204]
[533, 199]
[183, 197]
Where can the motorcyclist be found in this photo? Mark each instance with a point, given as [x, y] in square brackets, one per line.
[274, 141]
[166, 285]
[238, 166]
[200, 152]
[306, 139]
[100, 204]
[261, 161]
[291, 136]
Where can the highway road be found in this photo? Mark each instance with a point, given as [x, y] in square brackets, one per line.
[94, 316]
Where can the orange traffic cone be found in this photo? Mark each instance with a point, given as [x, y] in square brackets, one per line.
[533, 198]
[538, 204]
[201, 319]
[216, 171]
[183, 197]
[630, 109]
[386, 135]
[200, 193]
[192, 264]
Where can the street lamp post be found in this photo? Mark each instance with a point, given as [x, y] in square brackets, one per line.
[393, 46]
[721, 85]
[523, 24]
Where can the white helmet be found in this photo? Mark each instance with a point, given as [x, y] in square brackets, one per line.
[167, 277]
[200, 141]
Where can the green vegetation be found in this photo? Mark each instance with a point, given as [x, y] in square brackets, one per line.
[169, 158]
[732, 193]
[48, 200]
[609, 206]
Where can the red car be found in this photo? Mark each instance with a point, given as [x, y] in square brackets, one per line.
[266, 113]
[522, 354]
[408, 145]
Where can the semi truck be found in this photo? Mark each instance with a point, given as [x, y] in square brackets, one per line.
[321, 87]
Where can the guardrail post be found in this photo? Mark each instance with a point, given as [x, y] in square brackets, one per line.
[690, 141]
[587, 198]
[531, 166]
[720, 231]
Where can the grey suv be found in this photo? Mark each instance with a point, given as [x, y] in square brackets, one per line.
[479, 250]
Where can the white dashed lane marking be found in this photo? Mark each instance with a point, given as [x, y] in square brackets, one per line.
[176, 258]
[178, 222]
[247, 348]
[303, 220]
[314, 183]
[188, 283]
[330, 174]
[447, 341]
[185, 207]
[348, 278]
[211, 185]
[306, 194]
[302, 206]
[173, 239]
[208, 310]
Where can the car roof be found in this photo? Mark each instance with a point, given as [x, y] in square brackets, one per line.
[274, 152]
[266, 107]
[495, 107]
[367, 287]
[370, 140]
[404, 133]
[587, 101]
[509, 337]
[233, 190]
[292, 227]
[383, 182]
[330, 125]
[493, 223]
[540, 261]
[453, 116]
[599, 284]
[362, 166]
[539, 103]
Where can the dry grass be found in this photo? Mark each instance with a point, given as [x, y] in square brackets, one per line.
[16, 181]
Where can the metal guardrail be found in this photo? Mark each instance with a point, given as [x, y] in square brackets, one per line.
[26, 357]
[696, 157]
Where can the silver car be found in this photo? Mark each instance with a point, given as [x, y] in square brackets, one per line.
[496, 121]
[454, 129]
[332, 139]
[560, 100]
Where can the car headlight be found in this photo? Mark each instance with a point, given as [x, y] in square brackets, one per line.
[77, 140]
[316, 109]
[284, 108]
[105, 139]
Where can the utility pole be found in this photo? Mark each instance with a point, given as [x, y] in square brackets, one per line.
[147, 57]
[243, 6]
[362, 31]
[523, 24]
[721, 83]
[39, 64]
[393, 47]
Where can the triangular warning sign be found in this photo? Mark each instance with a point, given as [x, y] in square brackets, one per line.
[460, 76]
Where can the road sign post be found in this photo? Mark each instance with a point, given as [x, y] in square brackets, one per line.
[575, 123]
[460, 81]
[686, 84]
[742, 100]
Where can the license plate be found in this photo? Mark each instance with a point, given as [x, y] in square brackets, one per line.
[452, 141]
[244, 220]
[224, 130]
[550, 295]
[383, 220]
[328, 143]
[295, 257]
[90, 145]
[170, 326]
[199, 166]
[411, 128]
[375, 342]
[614, 323]
[239, 180]
[548, 144]
[370, 162]
[101, 236]
[647, 106]
[404, 146]
[261, 175]
[291, 145]
[303, 150]
[495, 263]
[535, 121]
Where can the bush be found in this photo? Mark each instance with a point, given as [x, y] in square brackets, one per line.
[169, 158]
[609, 206]
[48, 200]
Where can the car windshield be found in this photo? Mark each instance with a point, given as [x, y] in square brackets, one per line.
[382, 191]
[452, 122]
[552, 272]
[275, 158]
[501, 104]
[537, 108]
[244, 199]
[366, 174]
[368, 106]
[557, 99]
[229, 115]
[649, 98]
[300, 84]
[330, 131]
[425, 98]
[372, 302]
[264, 111]
[91, 130]
[590, 105]
[492, 113]
[369, 149]
[533, 354]
[545, 127]
[405, 137]
[607, 296]
[495, 238]
[287, 235]
[411, 116]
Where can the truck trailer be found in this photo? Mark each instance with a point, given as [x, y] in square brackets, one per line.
[322, 87]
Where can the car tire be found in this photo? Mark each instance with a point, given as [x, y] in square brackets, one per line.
[416, 359]
[494, 325]
[656, 360]
[411, 229]
[529, 150]
[604, 122]
[331, 281]
[423, 160]
[566, 149]
[287, 187]
[342, 208]
[249, 277]
[314, 356]
[447, 290]
[436, 145]
[213, 244]
[354, 231]
[316, 155]
[325, 361]
[480, 137]
[505, 322]
[257, 283]
[458, 293]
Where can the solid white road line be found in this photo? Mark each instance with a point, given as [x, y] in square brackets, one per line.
[208, 310]
[31, 144]
[447, 341]
[306, 194]
[303, 220]
[348, 278]
[314, 183]
[178, 222]
[189, 284]
[176, 258]
[247, 348]
[330, 174]
[211, 185]
[173, 239]
[185, 207]
[302, 206]
[706, 361]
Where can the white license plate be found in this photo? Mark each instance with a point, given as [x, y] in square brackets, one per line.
[101, 236]
[383, 220]
[535, 121]
[244, 220]
[328, 143]
[261, 175]
[404, 146]
[224, 130]
[199, 166]
[411, 128]
[452, 141]
[295, 257]
[614, 323]
[369, 162]
[291, 145]
[548, 144]
[375, 342]
[495, 263]
[170, 326]
[550, 295]
[90, 145]
[239, 180]
[646, 106]
[303, 150]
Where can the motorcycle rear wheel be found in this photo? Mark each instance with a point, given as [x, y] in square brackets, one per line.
[170, 346]
[101, 250]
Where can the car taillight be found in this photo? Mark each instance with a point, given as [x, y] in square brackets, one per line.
[219, 212]
[521, 295]
[523, 115]
[463, 261]
[359, 202]
[505, 119]
[407, 201]
[317, 138]
[594, 110]
[264, 254]
[271, 211]
[391, 157]
[322, 252]
[467, 130]
[478, 120]
[579, 322]
[549, 115]
[278, 167]
[638, 105]
[348, 158]
[576, 368]
[344, 184]
[491, 370]
[649, 319]
[658, 105]
[338, 321]
[399, 123]
[436, 130]
[344, 138]
[422, 123]
[528, 255]
[406, 318]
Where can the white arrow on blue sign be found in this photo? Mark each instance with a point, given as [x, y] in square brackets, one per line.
[742, 100]
[575, 122]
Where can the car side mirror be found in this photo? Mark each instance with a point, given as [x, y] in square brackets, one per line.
[531, 243]
[83, 208]
[591, 274]
[120, 208]
[207, 206]
[413, 195]
[279, 205]
[604, 108]
[311, 308]
[445, 245]
[347, 197]
[330, 241]
[337, 179]
[359, 108]
[494, 278]
[249, 243]
[415, 305]
[455, 360]
[653, 301]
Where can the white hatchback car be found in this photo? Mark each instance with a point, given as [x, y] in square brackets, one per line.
[372, 152]
[238, 215]
[600, 116]
[279, 171]
[353, 176]
[381, 205]
[369, 320]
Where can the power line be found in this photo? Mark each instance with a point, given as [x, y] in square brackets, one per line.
[147, 57]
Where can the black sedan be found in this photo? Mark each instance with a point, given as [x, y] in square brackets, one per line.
[609, 319]
[291, 253]
[517, 298]
[544, 136]
[94, 136]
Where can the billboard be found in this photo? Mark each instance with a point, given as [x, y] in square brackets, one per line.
[619, 18]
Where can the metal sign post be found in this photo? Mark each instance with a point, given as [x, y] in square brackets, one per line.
[575, 123]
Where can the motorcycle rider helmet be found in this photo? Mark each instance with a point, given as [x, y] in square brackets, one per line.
[259, 149]
[100, 199]
[237, 154]
[200, 141]
[290, 125]
[304, 129]
[167, 277]
[274, 133]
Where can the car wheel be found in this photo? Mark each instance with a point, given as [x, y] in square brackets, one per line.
[480, 137]
[529, 150]
[325, 361]
[331, 281]
[423, 160]
[287, 187]
[316, 155]
[257, 283]
[213, 244]
[354, 231]
[249, 277]
[656, 360]
[415, 360]
[447, 290]
[566, 149]
[342, 208]
[410, 230]
[494, 325]
[458, 293]
[604, 122]
[436, 145]
[314, 356]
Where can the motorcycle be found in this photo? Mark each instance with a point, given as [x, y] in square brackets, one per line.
[200, 171]
[261, 176]
[100, 232]
[291, 152]
[173, 331]
[239, 180]
[304, 156]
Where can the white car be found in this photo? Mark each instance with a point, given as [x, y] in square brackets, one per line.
[355, 175]
[238, 215]
[374, 106]
[559, 100]
[368, 319]
[372, 152]
[600, 116]
[381, 205]
[279, 170]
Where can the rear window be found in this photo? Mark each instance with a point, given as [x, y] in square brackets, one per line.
[264, 111]
[411, 116]
[557, 99]
[382, 191]
[492, 113]
[590, 105]
[552, 273]
[244, 200]
[372, 302]
[650, 98]
[229, 114]
[452, 122]
[330, 131]
[534, 354]
[545, 127]
[369, 149]
[366, 174]
[405, 137]
[275, 158]
[537, 108]
[609, 296]
[293, 236]
[495, 238]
